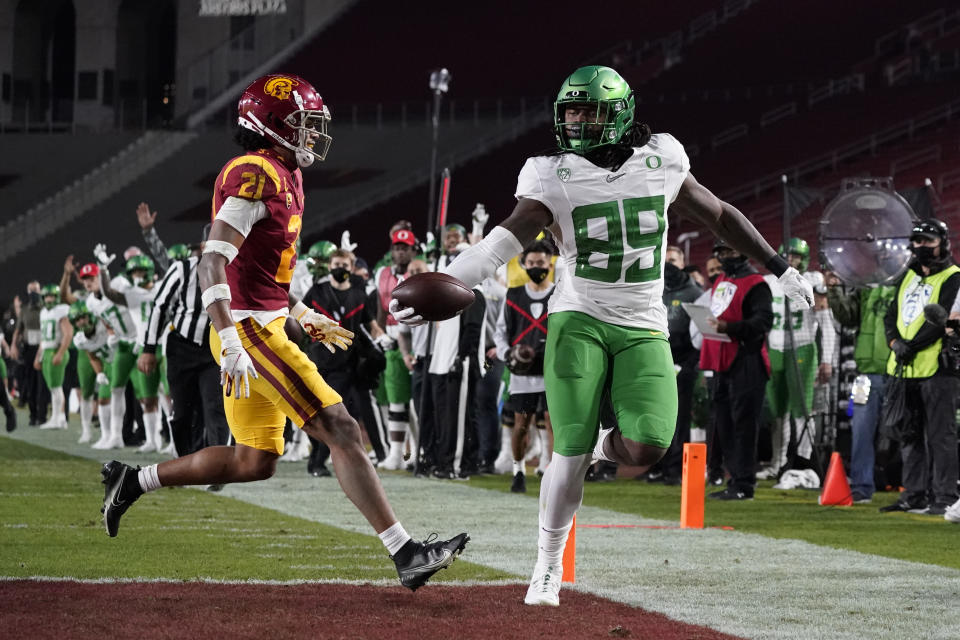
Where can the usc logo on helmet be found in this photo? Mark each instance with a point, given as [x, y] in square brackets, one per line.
[280, 87]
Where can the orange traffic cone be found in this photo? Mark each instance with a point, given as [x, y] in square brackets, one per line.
[836, 489]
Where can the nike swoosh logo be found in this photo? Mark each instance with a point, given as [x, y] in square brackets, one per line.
[434, 565]
[612, 178]
[113, 498]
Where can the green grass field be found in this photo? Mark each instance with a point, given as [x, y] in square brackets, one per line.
[51, 527]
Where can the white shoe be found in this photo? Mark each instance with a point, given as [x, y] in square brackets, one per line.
[84, 438]
[114, 443]
[100, 444]
[503, 464]
[146, 447]
[392, 463]
[52, 423]
[598, 453]
[544, 590]
[952, 514]
[290, 454]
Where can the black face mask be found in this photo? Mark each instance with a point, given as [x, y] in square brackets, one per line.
[672, 274]
[339, 274]
[730, 266]
[713, 278]
[34, 297]
[925, 255]
[537, 274]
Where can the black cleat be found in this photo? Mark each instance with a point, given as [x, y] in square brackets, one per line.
[519, 483]
[417, 561]
[119, 494]
[11, 417]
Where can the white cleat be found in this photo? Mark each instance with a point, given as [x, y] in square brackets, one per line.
[114, 443]
[146, 447]
[99, 444]
[392, 463]
[952, 514]
[544, 590]
[503, 464]
[84, 439]
[52, 423]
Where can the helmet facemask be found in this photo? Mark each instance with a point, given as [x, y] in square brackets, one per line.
[310, 126]
[606, 123]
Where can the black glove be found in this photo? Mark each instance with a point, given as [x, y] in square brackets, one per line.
[904, 351]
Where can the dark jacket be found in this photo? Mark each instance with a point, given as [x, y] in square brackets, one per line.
[679, 287]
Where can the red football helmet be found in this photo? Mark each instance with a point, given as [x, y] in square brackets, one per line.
[289, 111]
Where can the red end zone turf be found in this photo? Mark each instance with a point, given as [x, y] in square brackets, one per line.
[146, 611]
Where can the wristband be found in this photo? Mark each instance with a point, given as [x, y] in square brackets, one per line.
[229, 338]
[299, 310]
[213, 293]
[776, 265]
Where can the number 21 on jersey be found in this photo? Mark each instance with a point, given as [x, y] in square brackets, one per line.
[648, 210]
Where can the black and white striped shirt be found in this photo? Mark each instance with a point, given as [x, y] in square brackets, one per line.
[178, 298]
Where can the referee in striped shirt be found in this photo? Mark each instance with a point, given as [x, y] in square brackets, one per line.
[193, 375]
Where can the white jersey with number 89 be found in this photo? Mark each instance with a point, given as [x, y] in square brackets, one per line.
[611, 227]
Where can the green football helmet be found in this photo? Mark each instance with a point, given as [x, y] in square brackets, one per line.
[318, 257]
[178, 252]
[611, 97]
[140, 263]
[50, 290]
[800, 247]
[79, 310]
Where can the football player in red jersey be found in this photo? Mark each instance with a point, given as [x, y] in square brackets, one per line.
[245, 274]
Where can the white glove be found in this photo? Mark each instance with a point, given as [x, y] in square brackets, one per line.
[236, 366]
[324, 330]
[385, 342]
[480, 218]
[406, 315]
[102, 379]
[345, 243]
[797, 288]
[100, 253]
[112, 341]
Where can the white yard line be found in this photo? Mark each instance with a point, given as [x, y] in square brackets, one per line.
[739, 583]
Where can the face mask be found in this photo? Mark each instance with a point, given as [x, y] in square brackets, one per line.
[924, 254]
[537, 274]
[339, 274]
[34, 297]
[713, 278]
[730, 266]
[672, 273]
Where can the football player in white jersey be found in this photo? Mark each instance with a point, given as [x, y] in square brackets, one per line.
[795, 363]
[604, 194]
[56, 335]
[138, 299]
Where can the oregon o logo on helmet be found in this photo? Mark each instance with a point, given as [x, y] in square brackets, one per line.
[280, 87]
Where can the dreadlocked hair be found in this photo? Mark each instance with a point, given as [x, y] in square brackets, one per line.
[250, 140]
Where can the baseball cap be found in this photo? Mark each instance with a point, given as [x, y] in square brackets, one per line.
[403, 236]
[89, 270]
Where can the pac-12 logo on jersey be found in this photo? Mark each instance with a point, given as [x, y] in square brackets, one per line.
[722, 297]
[563, 173]
[280, 87]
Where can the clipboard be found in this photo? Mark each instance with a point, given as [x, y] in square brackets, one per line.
[700, 314]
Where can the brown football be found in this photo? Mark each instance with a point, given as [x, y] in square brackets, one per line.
[435, 296]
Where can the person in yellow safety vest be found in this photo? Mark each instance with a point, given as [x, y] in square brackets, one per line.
[915, 329]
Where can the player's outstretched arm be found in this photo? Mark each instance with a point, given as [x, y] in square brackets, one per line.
[482, 260]
[731, 226]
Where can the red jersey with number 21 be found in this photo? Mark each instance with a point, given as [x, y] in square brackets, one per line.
[259, 277]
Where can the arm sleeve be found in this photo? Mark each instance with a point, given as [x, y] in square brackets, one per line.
[242, 214]
[166, 293]
[156, 248]
[757, 314]
[500, 336]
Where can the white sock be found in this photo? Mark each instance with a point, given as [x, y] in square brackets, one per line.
[105, 422]
[506, 440]
[561, 490]
[151, 426]
[518, 467]
[56, 401]
[394, 538]
[550, 544]
[165, 405]
[86, 415]
[149, 481]
[118, 405]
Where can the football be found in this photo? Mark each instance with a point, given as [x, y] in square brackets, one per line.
[435, 296]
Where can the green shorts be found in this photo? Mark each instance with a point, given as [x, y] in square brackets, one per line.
[53, 373]
[583, 357]
[396, 379]
[784, 387]
[3, 369]
[146, 385]
[122, 365]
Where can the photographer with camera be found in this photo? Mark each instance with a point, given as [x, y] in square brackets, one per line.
[915, 330]
[521, 340]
